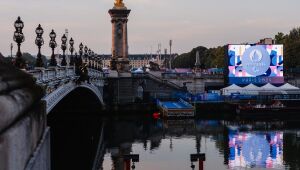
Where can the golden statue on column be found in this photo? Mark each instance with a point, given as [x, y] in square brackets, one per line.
[119, 4]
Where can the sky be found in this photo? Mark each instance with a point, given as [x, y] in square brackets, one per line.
[189, 23]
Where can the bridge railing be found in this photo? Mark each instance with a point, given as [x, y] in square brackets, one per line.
[191, 76]
[164, 81]
[51, 74]
[95, 73]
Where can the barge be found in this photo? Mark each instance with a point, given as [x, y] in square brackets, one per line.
[178, 108]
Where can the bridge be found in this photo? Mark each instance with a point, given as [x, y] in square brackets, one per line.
[58, 82]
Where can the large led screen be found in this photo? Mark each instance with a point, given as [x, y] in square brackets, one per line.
[257, 64]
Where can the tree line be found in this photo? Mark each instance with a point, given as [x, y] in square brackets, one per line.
[216, 57]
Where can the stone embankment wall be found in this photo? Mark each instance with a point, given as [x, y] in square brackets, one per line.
[24, 136]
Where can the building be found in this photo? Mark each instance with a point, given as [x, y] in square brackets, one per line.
[266, 41]
[138, 60]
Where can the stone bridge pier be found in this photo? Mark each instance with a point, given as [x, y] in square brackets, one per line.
[123, 89]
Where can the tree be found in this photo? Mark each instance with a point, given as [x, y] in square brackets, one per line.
[291, 44]
[187, 60]
[280, 38]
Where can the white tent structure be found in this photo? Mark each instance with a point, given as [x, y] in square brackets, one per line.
[231, 89]
[251, 89]
[269, 87]
[288, 86]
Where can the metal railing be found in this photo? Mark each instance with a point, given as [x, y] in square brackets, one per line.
[191, 76]
[164, 81]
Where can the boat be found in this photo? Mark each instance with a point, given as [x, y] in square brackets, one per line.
[276, 107]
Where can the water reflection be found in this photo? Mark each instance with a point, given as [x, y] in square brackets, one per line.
[256, 149]
[168, 144]
[144, 143]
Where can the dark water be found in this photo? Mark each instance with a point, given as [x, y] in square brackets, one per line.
[95, 142]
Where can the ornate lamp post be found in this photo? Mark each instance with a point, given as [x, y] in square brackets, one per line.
[170, 44]
[86, 54]
[11, 49]
[39, 41]
[76, 60]
[80, 54]
[99, 62]
[53, 45]
[71, 42]
[90, 57]
[64, 47]
[93, 60]
[96, 62]
[19, 38]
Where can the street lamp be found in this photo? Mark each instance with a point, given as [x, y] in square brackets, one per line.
[90, 57]
[170, 43]
[11, 49]
[76, 59]
[64, 47]
[19, 38]
[93, 59]
[39, 41]
[86, 54]
[19, 25]
[71, 42]
[80, 54]
[52, 45]
[99, 62]
[165, 59]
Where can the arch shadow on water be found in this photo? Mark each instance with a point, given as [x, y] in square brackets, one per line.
[75, 125]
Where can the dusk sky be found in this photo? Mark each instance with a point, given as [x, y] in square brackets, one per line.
[189, 23]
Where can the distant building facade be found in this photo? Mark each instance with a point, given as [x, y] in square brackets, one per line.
[138, 60]
[267, 41]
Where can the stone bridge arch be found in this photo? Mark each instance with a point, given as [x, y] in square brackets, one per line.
[58, 95]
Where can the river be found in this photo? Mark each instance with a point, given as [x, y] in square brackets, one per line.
[91, 141]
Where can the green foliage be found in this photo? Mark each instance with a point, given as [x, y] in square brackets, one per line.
[279, 38]
[31, 61]
[213, 57]
[187, 60]
[291, 44]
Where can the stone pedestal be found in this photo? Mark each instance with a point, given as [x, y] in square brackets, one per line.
[120, 61]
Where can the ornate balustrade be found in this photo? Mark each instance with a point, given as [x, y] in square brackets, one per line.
[52, 74]
[95, 73]
[44, 76]
[59, 81]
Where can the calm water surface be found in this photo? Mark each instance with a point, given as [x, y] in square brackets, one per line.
[94, 142]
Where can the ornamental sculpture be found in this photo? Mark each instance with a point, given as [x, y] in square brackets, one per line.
[119, 4]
